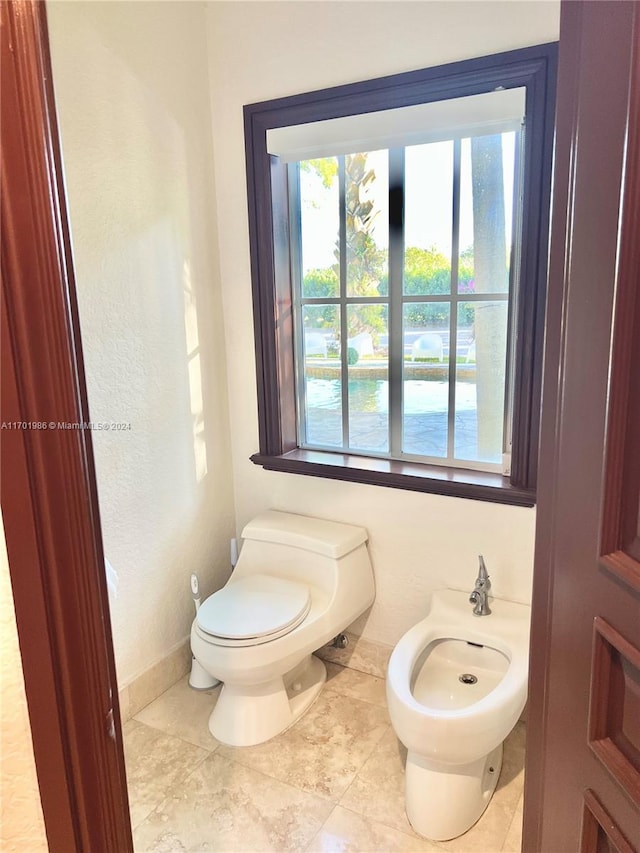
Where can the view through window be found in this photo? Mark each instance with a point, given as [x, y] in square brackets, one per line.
[402, 263]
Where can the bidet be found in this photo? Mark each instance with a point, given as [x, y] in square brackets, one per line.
[456, 686]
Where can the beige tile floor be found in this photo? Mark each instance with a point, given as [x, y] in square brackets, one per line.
[333, 782]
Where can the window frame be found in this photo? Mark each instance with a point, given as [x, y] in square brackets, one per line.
[267, 187]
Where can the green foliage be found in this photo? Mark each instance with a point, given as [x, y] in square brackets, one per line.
[322, 283]
[320, 317]
[352, 355]
[422, 315]
[325, 167]
[427, 271]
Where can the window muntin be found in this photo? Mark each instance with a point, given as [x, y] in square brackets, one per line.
[403, 287]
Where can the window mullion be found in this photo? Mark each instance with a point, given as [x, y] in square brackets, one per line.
[514, 288]
[295, 250]
[396, 276]
[453, 311]
[344, 333]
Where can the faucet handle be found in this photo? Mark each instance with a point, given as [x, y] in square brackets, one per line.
[483, 580]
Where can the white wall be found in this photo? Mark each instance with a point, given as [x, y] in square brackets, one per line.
[21, 821]
[131, 82]
[269, 49]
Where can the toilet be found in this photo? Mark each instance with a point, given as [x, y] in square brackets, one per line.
[456, 687]
[298, 582]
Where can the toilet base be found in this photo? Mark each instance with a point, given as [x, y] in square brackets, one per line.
[444, 801]
[246, 715]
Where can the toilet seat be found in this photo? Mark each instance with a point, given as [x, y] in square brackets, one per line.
[254, 610]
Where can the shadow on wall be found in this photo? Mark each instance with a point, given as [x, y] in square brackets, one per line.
[131, 83]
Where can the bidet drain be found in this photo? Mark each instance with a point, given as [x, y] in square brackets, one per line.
[467, 678]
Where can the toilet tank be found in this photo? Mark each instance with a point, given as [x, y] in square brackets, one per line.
[329, 555]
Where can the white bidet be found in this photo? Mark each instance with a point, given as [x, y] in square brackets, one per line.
[456, 686]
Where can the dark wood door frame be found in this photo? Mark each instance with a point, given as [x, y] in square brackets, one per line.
[588, 476]
[49, 497]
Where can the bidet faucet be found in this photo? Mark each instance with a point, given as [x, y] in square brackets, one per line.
[480, 595]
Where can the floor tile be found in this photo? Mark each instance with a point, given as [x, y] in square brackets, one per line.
[224, 806]
[333, 782]
[513, 841]
[360, 655]
[357, 685]
[184, 713]
[378, 788]
[512, 773]
[155, 762]
[348, 832]
[324, 750]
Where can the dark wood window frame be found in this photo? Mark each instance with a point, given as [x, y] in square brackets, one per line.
[533, 68]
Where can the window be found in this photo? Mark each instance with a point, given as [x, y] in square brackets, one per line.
[399, 236]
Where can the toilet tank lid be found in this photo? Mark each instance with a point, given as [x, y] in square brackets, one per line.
[329, 538]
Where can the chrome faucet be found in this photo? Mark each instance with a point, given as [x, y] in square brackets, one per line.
[480, 595]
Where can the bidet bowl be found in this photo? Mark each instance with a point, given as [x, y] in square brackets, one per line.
[435, 714]
[452, 674]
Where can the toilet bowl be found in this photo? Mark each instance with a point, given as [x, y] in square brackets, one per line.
[456, 686]
[298, 582]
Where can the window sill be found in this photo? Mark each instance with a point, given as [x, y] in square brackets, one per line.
[454, 482]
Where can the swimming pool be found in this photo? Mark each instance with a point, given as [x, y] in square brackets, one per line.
[425, 424]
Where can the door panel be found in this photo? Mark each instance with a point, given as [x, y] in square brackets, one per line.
[600, 833]
[582, 789]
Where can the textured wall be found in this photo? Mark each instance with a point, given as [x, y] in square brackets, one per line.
[269, 49]
[131, 82]
[21, 824]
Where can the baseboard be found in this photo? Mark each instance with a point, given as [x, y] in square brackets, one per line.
[364, 655]
[150, 684]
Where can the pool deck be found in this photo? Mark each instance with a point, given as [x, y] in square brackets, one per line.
[329, 368]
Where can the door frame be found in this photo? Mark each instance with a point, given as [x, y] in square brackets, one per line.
[620, 460]
[49, 494]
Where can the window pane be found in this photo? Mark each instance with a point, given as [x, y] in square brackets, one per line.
[486, 211]
[426, 378]
[367, 223]
[428, 199]
[480, 380]
[322, 404]
[320, 227]
[367, 357]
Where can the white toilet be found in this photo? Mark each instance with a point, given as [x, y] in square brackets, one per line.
[456, 686]
[299, 581]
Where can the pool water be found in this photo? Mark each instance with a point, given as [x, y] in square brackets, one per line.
[369, 395]
[425, 424]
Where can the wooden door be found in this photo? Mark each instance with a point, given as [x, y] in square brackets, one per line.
[47, 476]
[582, 787]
